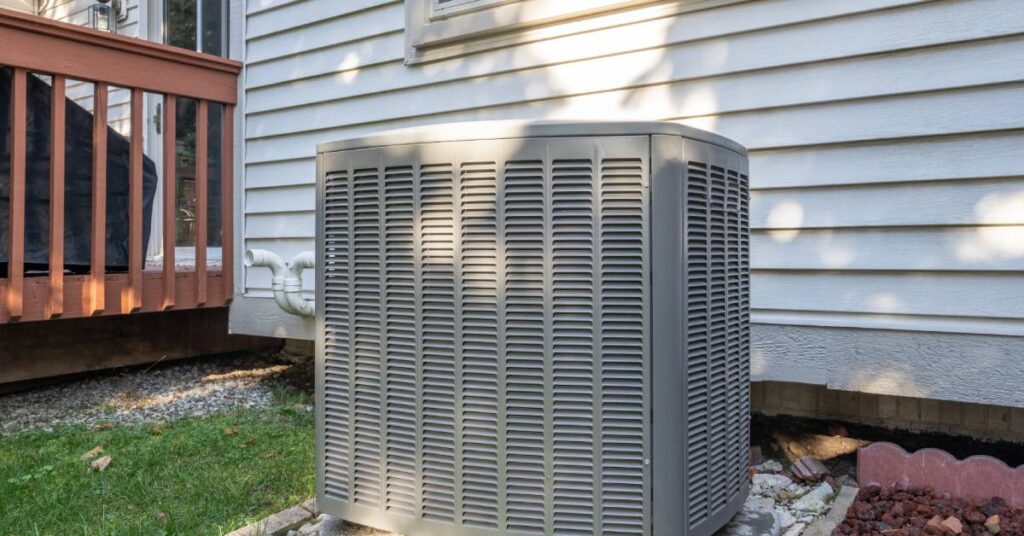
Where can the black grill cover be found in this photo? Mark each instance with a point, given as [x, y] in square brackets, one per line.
[78, 184]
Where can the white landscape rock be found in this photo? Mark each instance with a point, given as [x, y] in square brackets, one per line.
[785, 518]
[756, 503]
[797, 489]
[795, 530]
[768, 484]
[777, 506]
[815, 501]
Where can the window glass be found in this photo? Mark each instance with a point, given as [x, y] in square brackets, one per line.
[180, 19]
[213, 39]
[197, 25]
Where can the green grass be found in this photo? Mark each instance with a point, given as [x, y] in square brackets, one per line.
[203, 480]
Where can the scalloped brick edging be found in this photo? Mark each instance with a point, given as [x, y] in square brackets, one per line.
[975, 478]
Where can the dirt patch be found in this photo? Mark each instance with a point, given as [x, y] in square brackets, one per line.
[300, 375]
[836, 443]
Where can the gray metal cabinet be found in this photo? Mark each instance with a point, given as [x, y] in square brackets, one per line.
[533, 328]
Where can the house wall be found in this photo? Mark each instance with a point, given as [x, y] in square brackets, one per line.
[973, 420]
[26, 6]
[37, 350]
[77, 12]
[884, 137]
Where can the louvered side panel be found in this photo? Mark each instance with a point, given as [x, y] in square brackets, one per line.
[400, 337]
[623, 260]
[524, 345]
[718, 394]
[486, 326]
[478, 225]
[367, 299]
[739, 327]
[697, 321]
[337, 337]
[437, 231]
[717, 336]
[573, 322]
[734, 434]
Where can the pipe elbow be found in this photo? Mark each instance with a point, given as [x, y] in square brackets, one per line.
[296, 303]
[281, 298]
[302, 261]
[286, 282]
[299, 305]
[262, 257]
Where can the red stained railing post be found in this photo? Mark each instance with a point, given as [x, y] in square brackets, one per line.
[170, 202]
[94, 294]
[202, 211]
[55, 305]
[30, 44]
[131, 299]
[16, 239]
[227, 203]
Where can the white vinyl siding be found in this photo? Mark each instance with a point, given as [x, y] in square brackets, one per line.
[885, 135]
[25, 6]
[438, 29]
[77, 12]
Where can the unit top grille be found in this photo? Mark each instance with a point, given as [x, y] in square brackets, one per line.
[500, 130]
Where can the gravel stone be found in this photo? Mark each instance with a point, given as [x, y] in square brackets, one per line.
[815, 501]
[769, 466]
[189, 388]
[792, 507]
[910, 509]
[786, 519]
[333, 526]
[769, 484]
[757, 503]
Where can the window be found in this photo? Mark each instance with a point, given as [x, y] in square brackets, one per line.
[184, 18]
[447, 8]
[439, 29]
[200, 25]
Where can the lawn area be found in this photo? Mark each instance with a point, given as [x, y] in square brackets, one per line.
[191, 476]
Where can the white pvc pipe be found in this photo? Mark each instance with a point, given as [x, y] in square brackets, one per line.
[287, 279]
[293, 284]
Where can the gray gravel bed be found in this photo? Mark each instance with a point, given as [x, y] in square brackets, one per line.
[163, 392]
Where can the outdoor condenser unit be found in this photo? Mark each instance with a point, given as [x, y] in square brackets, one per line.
[533, 328]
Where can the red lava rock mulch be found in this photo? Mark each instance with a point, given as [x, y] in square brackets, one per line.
[922, 511]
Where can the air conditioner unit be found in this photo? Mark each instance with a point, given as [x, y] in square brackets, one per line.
[533, 328]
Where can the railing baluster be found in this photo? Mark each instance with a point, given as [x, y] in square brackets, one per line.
[95, 300]
[170, 202]
[68, 53]
[55, 306]
[227, 202]
[16, 240]
[131, 300]
[202, 122]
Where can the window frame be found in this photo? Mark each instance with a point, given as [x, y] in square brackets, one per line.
[442, 9]
[156, 30]
[435, 31]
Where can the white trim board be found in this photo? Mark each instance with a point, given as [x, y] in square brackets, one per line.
[262, 316]
[980, 369]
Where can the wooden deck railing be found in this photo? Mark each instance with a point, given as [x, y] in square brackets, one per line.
[63, 51]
